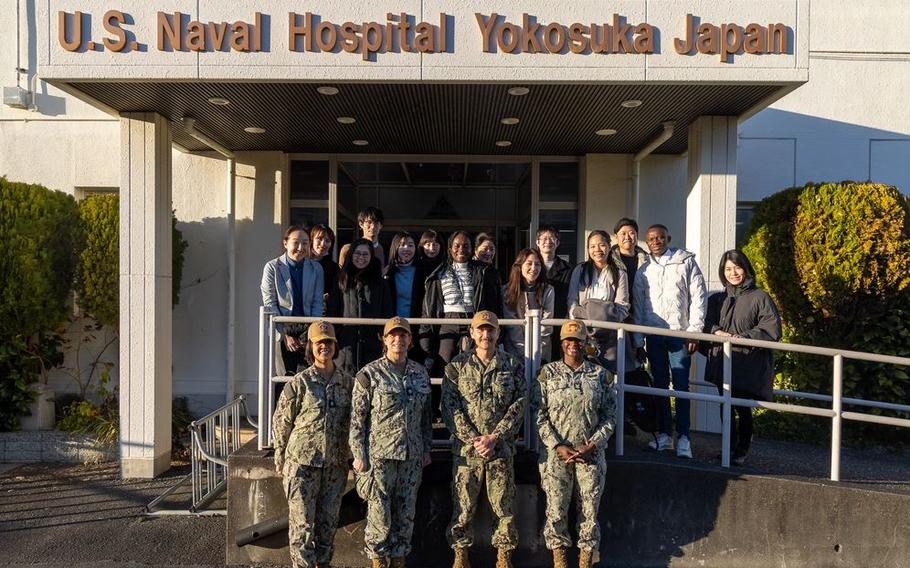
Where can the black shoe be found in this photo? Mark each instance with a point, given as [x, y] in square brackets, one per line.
[739, 458]
[629, 429]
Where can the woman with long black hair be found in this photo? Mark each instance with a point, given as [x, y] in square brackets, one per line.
[527, 289]
[742, 310]
[363, 294]
[322, 239]
[429, 251]
[599, 291]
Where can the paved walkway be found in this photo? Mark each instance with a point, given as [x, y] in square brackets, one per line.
[74, 516]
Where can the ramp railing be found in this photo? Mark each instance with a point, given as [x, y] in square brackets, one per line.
[533, 325]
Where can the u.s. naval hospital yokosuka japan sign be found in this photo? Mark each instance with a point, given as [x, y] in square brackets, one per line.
[402, 32]
[426, 40]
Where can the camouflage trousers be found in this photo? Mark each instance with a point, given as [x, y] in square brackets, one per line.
[391, 496]
[314, 497]
[560, 482]
[469, 475]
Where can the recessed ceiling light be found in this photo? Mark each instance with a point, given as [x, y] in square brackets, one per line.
[519, 91]
[347, 119]
[503, 143]
[631, 103]
[254, 130]
[606, 132]
[327, 90]
[219, 101]
[360, 142]
[509, 121]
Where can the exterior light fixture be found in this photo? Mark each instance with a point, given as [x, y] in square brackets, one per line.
[519, 91]
[606, 132]
[327, 90]
[509, 121]
[360, 142]
[631, 103]
[254, 130]
[346, 119]
[503, 143]
[219, 101]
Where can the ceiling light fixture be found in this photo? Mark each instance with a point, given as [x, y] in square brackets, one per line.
[503, 143]
[631, 103]
[519, 91]
[606, 132]
[346, 119]
[327, 90]
[254, 130]
[509, 121]
[360, 142]
[219, 101]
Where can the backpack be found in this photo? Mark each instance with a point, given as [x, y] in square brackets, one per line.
[641, 409]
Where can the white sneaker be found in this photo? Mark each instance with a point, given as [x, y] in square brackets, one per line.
[662, 443]
[683, 447]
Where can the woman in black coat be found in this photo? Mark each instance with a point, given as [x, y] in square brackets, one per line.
[363, 294]
[742, 310]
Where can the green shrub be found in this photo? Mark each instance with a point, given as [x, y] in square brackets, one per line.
[836, 260]
[97, 277]
[39, 239]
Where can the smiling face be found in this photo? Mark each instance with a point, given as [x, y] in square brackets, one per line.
[431, 249]
[461, 249]
[658, 239]
[530, 269]
[397, 342]
[486, 251]
[485, 336]
[324, 351]
[733, 273]
[572, 348]
[547, 243]
[322, 245]
[361, 256]
[598, 248]
[627, 239]
[406, 250]
[297, 245]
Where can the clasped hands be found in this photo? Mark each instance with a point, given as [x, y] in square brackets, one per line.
[570, 454]
[484, 445]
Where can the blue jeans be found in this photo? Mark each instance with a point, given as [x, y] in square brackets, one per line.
[670, 361]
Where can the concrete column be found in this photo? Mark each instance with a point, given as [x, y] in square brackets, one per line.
[145, 295]
[710, 221]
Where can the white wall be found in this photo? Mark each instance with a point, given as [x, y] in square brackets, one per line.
[851, 120]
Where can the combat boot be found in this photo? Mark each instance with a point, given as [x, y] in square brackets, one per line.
[461, 558]
[585, 558]
[397, 562]
[560, 558]
[503, 558]
[380, 563]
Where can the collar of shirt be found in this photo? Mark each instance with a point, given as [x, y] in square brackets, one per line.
[293, 264]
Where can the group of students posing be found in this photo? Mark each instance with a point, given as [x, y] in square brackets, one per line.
[383, 417]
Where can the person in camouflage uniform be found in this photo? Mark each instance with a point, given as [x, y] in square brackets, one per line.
[391, 436]
[575, 402]
[483, 402]
[310, 428]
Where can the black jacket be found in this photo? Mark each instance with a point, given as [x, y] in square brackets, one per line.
[361, 344]
[749, 313]
[487, 296]
[558, 276]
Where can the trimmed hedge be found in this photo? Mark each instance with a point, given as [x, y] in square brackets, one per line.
[836, 259]
[39, 237]
[98, 278]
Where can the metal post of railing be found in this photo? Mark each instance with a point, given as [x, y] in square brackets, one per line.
[727, 410]
[836, 420]
[620, 389]
[263, 374]
[534, 322]
[269, 387]
[529, 376]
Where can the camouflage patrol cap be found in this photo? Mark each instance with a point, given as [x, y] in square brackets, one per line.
[321, 330]
[573, 329]
[485, 317]
[396, 322]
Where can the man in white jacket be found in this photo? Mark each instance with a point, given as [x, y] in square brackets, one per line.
[669, 292]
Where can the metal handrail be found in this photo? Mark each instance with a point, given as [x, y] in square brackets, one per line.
[533, 324]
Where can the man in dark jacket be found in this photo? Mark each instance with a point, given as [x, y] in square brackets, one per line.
[457, 289]
[558, 273]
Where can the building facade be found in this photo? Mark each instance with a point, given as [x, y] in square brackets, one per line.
[246, 117]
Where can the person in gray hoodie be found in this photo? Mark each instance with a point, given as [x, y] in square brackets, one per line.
[669, 292]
